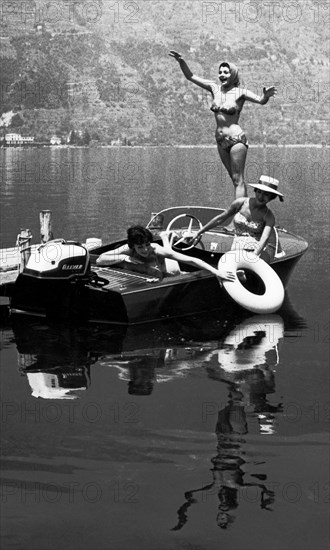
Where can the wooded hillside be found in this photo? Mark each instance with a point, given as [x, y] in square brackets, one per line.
[104, 67]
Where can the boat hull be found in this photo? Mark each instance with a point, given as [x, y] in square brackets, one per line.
[188, 294]
[133, 300]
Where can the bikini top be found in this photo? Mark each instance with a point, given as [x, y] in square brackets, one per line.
[245, 228]
[153, 261]
[230, 110]
[224, 102]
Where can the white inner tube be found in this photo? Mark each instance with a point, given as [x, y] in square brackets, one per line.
[273, 297]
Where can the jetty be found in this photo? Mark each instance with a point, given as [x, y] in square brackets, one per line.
[9, 269]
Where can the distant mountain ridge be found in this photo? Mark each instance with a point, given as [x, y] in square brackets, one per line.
[104, 67]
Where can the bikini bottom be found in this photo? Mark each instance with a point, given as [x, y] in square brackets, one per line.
[227, 142]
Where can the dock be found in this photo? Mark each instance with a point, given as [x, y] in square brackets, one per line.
[9, 268]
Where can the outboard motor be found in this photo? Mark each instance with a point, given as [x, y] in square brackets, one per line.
[52, 281]
[58, 259]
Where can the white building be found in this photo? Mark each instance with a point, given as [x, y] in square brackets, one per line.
[17, 139]
[55, 140]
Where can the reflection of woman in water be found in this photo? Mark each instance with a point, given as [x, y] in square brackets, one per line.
[228, 101]
[227, 472]
[241, 362]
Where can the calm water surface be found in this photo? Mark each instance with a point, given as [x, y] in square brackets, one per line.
[200, 434]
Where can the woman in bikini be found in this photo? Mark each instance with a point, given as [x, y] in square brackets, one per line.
[227, 104]
[253, 221]
[142, 255]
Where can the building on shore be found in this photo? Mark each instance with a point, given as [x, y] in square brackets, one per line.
[55, 140]
[17, 139]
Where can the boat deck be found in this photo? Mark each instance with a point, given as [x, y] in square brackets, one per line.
[121, 280]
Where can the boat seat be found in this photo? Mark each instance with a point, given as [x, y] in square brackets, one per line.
[172, 266]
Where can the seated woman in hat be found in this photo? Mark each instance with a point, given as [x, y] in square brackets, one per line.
[253, 220]
[142, 255]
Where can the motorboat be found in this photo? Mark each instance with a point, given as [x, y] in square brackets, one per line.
[61, 279]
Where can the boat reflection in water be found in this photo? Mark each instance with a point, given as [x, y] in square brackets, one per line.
[53, 369]
[246, 361]
[57, 359]
[142, 369]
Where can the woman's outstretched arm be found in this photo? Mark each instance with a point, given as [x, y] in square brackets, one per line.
[218, 220]
[267, 93]
[202, 82]
[196, 262]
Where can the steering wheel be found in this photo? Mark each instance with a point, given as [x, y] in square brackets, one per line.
[186, 234]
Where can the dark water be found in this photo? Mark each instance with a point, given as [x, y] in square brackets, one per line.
[199, 434]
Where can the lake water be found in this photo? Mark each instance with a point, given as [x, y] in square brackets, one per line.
[200, 434]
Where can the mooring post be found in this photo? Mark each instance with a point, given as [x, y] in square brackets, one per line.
[23, 243]
[46, 226]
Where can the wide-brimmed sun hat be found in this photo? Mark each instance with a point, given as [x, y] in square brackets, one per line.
[266, 183]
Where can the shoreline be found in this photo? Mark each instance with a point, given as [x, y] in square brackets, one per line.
[252, 146]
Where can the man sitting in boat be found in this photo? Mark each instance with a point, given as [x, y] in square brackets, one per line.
[141, 255]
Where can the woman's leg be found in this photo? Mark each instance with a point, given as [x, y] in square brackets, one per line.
[238, 157]
[225, 158]
[234, 162]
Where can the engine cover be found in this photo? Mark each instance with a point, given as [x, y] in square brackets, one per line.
[58, 259]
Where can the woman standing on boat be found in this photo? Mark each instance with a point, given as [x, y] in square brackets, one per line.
[228, 101]
[253, 220]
